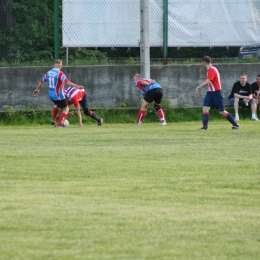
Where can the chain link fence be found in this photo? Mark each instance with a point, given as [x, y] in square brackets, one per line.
[26, 29]
[108, 31]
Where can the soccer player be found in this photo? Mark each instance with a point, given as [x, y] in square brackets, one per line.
[78, 97]
[152, 92]
[242, 95]
[57, 79]
[214, 97]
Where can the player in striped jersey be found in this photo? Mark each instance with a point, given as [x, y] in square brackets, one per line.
[152, 92]
[78, 97]
[214, 97]
[56, 80]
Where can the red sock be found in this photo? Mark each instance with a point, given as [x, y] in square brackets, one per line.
[62, 118]
[161, 114]
[140, 117]
[54, 113]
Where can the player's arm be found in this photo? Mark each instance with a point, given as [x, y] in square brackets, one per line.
[242, 97]
[37, 90]
[202, 85]
[145, 83]
[71, 84]
[79, 115]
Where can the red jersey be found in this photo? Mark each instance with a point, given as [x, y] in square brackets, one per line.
[214, 77]
[75, 95]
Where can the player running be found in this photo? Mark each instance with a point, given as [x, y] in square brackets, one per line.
[214, 97]
[78, 97]
[152, 92]
[57, 79]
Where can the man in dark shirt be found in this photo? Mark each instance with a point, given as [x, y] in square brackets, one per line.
[241, 95]
[256, 88]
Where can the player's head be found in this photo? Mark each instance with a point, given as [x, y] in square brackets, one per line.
[58, 64]
[243, 79]
[258, 79]
[136, 77]
[206, 61]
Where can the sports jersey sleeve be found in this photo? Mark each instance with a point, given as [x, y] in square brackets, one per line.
[233, 91]
[44, 78]
[255, 88]
[63, 78]
[250, 89]
[138, 84]
[211, 74]
[235, 88]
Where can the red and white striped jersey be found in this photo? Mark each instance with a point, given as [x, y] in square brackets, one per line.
[75, 95]
[214, 77]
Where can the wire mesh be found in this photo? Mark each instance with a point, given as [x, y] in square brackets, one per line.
[26, 31]
[108, 31]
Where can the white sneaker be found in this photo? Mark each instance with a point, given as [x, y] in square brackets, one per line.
[255, 118]
[163, 123]
[237, 118]
[139, 124]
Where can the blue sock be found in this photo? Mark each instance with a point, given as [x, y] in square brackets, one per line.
[231, 119]
[205, 119]
[94, 116]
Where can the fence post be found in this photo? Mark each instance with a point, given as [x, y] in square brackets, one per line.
[144, 39]
[67, 55]
[56, 29]
[165, 31]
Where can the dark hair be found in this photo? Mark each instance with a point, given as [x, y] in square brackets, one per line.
[258, 76]
[206, 59]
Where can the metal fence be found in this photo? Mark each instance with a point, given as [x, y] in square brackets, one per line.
[108, 31]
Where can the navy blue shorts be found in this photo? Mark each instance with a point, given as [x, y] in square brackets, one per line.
[84, 102]
[214, 100]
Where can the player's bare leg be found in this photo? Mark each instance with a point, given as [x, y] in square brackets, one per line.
[253, 109]
[142, 112]
[236, 106]
[63, 116]
[160, 113]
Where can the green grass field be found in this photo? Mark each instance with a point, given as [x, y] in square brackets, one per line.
[127, 192]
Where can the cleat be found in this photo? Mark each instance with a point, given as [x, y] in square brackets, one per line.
[237, 118]
[53, 122]
[203, 128]
[139, 124]
[255, 118]
[235, 127]
[59, 126]
[100, 121]
[163, 123]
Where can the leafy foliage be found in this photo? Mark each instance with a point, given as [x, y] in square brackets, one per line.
[30, 33]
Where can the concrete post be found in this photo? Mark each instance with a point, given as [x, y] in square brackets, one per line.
[67, 56]
[144, 39]
[56, 29]
[165, 31]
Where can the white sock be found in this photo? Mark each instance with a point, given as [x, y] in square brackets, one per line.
[236, 115]
[253, 116]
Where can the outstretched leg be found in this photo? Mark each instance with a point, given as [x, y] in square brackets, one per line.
[87, 112]
[230, 118]
[63, 116]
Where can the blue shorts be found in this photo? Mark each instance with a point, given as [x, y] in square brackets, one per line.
[241, 102]
[214, 100]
